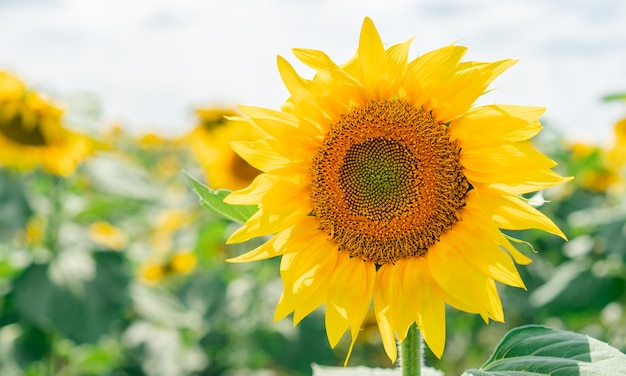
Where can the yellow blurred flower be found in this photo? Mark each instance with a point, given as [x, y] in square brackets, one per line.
[165, 225]
[173, 219]
[108, 235]
[209, 143]
[183, 262]
[151, 140]
[151, 272]
[168, 165]
[34, 232]
[591, 167]
[31, 132]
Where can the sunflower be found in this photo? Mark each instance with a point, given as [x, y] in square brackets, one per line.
[592, 166]
[31, 133]
[182, 262]
[383, 182]
[106, 234]
[209, 141]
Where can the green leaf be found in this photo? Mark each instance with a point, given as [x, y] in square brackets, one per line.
[16, 210]
[81, 302]
[614, 97]
[539, 350]
[214, 201]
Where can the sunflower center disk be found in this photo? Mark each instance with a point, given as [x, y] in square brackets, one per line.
[374, 178]
[387, 182]
[14, 131]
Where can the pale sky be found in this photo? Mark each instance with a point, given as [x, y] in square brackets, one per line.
[151, 61]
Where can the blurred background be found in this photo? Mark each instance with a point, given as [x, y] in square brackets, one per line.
[109, 266]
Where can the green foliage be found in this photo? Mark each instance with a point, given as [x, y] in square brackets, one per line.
[538, 350]
[81, 300]
[15, 209]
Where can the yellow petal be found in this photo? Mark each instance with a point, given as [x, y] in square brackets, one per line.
[263, 223]
[424, 77]
[264, 251]
[349, 297]
[319, 61]
[252, 194]
[473, 213]
[397, 57]
[299, 88]
[306, 278]
[397, 295]
[463, 88]
[536, 181]
[292, 239]
[511, 213]
[516, 181]
[259, 154]
[473, 244]
[503, 158]
[496, 123]
[431, 315]
[461, 281]
[260, 113]
[371, 54]
[382, 309]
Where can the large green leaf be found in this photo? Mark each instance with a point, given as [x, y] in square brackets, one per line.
[15, 207]
[214, 201]
[538, 350]
[81, 301]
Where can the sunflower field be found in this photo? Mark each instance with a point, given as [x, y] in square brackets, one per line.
[113, 245]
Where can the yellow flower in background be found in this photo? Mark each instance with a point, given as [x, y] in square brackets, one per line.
[151, 272]
[31, 132]
[166, 225]
[108, 235]
[35, 231]
[151, 140]
[181, 262]
[597, 175]
[383, 181]
[209, 143]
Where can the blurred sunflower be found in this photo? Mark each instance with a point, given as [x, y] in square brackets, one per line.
[209, 142]
[182, 262]
[108, 235]
[31, 133]
[592, 169]
[381, 180]
[166, 225]
[151, 140]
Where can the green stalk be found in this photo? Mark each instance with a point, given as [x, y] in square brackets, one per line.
[57, 186]
[411, 352]
[56, 189]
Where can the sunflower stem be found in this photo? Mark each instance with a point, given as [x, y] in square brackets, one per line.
[411, 352]
[56, 186]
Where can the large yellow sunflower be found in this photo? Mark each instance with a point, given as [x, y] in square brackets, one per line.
[209, 141]
[382, 181]
[31, 133]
